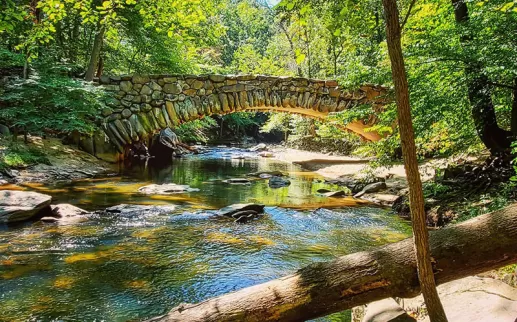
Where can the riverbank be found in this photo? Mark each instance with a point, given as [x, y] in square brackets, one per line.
[47, 161]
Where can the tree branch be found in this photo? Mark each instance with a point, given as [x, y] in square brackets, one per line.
[407, 14]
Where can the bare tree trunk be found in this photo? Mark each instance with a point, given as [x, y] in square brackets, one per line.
[95, 54]
[407, 136]
[320, 289]
[479, 93]
[514, 107]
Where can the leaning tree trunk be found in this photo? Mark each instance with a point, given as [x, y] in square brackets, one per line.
[493, 137]
[407, 136]
[478, 245]
[514, 107]
[95, 54]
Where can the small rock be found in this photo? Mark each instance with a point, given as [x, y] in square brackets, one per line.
[49, 219]
[67, 210]
[138, 210]
[258, 147]
[323, 190]
[168, 188]
[373, 187]
[266, 154]
[237, 181]
[236, 208]
[333, 194]
[278, 182]
[266, 174]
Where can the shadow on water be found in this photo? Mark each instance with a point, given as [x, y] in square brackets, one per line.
[118, 267]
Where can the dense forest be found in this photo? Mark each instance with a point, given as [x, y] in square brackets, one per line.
[449, 68]
[458, 55]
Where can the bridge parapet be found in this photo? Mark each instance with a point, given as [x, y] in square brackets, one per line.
[144, 104]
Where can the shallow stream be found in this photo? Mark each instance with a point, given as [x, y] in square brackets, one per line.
[120, 268]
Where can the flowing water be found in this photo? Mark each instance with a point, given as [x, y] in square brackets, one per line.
[116, 267]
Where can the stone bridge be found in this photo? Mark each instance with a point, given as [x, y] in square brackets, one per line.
[144, 104]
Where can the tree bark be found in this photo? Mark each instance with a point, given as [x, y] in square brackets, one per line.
[493, 137]
[472, 247]
[407, 136]
[514, 107]
[95, 54]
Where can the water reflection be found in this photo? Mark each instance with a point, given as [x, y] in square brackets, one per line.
[117, 268]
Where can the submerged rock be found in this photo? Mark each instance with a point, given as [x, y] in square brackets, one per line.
[278, 182]
[266, 174]
[18, 206]
[237, 181]
[334, 194]
[167, 188]
[266, 154]
[137, 210]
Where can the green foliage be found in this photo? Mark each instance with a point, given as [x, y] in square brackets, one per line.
[52, 103]
[196, 131]
[21, 156]
[10, 59]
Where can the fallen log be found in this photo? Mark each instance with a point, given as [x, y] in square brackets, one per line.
[469, 248]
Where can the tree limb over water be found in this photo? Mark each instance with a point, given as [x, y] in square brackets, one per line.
[475, 246]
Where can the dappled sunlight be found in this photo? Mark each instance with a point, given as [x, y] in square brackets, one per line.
[183, 253]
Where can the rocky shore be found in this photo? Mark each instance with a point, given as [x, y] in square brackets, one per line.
[64, 163]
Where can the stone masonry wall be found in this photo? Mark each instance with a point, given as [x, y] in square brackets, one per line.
[144, 104]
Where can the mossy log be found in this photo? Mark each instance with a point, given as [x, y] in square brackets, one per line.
[475, 246]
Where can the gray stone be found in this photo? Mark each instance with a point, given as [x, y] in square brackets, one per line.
[66, 214]
[146, 90]
[126, 86]
[105, 112]
[334, 194]
[126, 113]
[173, 88]
[237, 181]
[235, 208]
[154, 86]
[166, 189]
[18, 206]
[139, 210]
[471, 299]
[278, 182]
[137, 126]
[197, 84]
[217, 78]
[145, 107]
[140, 79]
[386, 310]
[373, 187]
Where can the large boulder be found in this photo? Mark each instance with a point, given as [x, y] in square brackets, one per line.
[471, 299]
[16, 206]
[165, 189]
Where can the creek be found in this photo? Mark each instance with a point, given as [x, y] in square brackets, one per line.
[118, 268]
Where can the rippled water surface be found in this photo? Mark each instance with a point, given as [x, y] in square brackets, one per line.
[117, 267]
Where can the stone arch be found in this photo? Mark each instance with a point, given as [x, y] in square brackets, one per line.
[144, 104]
